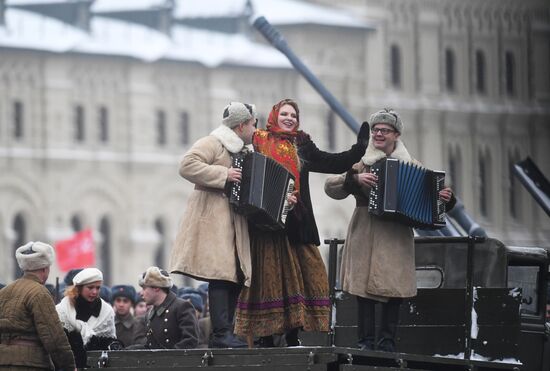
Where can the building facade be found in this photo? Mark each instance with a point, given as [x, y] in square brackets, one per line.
[97, 110]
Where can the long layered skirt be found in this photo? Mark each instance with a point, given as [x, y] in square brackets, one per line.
[289, 288]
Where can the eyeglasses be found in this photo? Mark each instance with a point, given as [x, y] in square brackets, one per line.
[382, 131]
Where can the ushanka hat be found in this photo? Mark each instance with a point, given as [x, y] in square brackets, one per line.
[87, 275]
[68, 280]
[236, 113]
[34, 255]
[155, 277]
[123, 291]
[195, 299]
[387, 116]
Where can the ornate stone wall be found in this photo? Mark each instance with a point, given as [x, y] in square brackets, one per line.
[127, 189]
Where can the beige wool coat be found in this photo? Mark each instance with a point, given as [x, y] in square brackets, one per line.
[212, 242]
[378, 257]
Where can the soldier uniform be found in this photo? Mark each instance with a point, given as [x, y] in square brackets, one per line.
[172, 325]
[172, 322]
[31, 334]
[129, 329]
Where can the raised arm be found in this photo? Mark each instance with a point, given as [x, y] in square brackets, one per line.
[332, 163]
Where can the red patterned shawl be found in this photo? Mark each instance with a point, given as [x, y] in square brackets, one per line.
[278, 144]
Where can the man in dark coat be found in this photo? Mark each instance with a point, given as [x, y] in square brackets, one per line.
[205, 326]
[129, 330]
[172, 322]
[31, 335]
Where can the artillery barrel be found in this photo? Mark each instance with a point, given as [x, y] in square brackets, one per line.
[278, 41]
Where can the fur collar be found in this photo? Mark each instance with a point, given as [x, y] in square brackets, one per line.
[229, 139]
[372, 154]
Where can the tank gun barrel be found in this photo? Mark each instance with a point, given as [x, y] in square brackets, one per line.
[459, 214]
[278, 41]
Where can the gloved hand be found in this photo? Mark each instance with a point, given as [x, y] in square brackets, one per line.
[364, 134]
[116, 345]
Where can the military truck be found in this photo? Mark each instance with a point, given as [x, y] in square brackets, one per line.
[480, 306]
[477, 300]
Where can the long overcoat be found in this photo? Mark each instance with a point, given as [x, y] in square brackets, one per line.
[378, 258]
[172, 325]
[31, 333]
[212, 242]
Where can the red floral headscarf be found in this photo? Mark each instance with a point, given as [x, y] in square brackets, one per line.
[278, 144]
[273, 119]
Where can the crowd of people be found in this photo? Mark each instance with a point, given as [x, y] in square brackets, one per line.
[92, 316]
[261, 287]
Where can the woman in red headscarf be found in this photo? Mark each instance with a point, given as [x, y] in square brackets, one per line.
[289, 285]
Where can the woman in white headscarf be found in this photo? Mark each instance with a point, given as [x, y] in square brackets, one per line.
[88, 320]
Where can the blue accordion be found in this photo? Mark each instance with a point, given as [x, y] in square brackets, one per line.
[408, 193]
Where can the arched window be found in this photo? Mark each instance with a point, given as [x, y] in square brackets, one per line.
[514, 199]
[76, 223]
[331, 131]
[78, 120]
[18, 123]
[19, 226]
[105, 249]
[103, 124]
[161, 127]
[395, 65]
[510, 71]
[159, 254]
[450, 66]
[184, 128]
[484, 183]
[455, 170]
[480, 72]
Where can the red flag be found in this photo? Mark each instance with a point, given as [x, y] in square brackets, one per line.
[76, 252]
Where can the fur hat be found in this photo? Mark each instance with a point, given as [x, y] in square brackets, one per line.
[105, 293]
[68, 280]
[155, 277]
[123, 291]
[195, 299]
[138, 299]
[86, 276]
[34, 255]
[236, 113]
[387, 116]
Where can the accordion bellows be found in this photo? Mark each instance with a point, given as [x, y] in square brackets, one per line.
[262, 193]
[408, 193]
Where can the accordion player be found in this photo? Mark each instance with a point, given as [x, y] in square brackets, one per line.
[408, 193]
[263, 191]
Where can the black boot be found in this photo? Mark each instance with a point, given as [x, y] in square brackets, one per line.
[266, 342]
[365, 323]
[222, 329]
[390, 318]
[232, 297]
[291, 338]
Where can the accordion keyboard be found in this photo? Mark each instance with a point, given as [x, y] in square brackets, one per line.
[374, 193]
[235, 190]
[287, 207]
